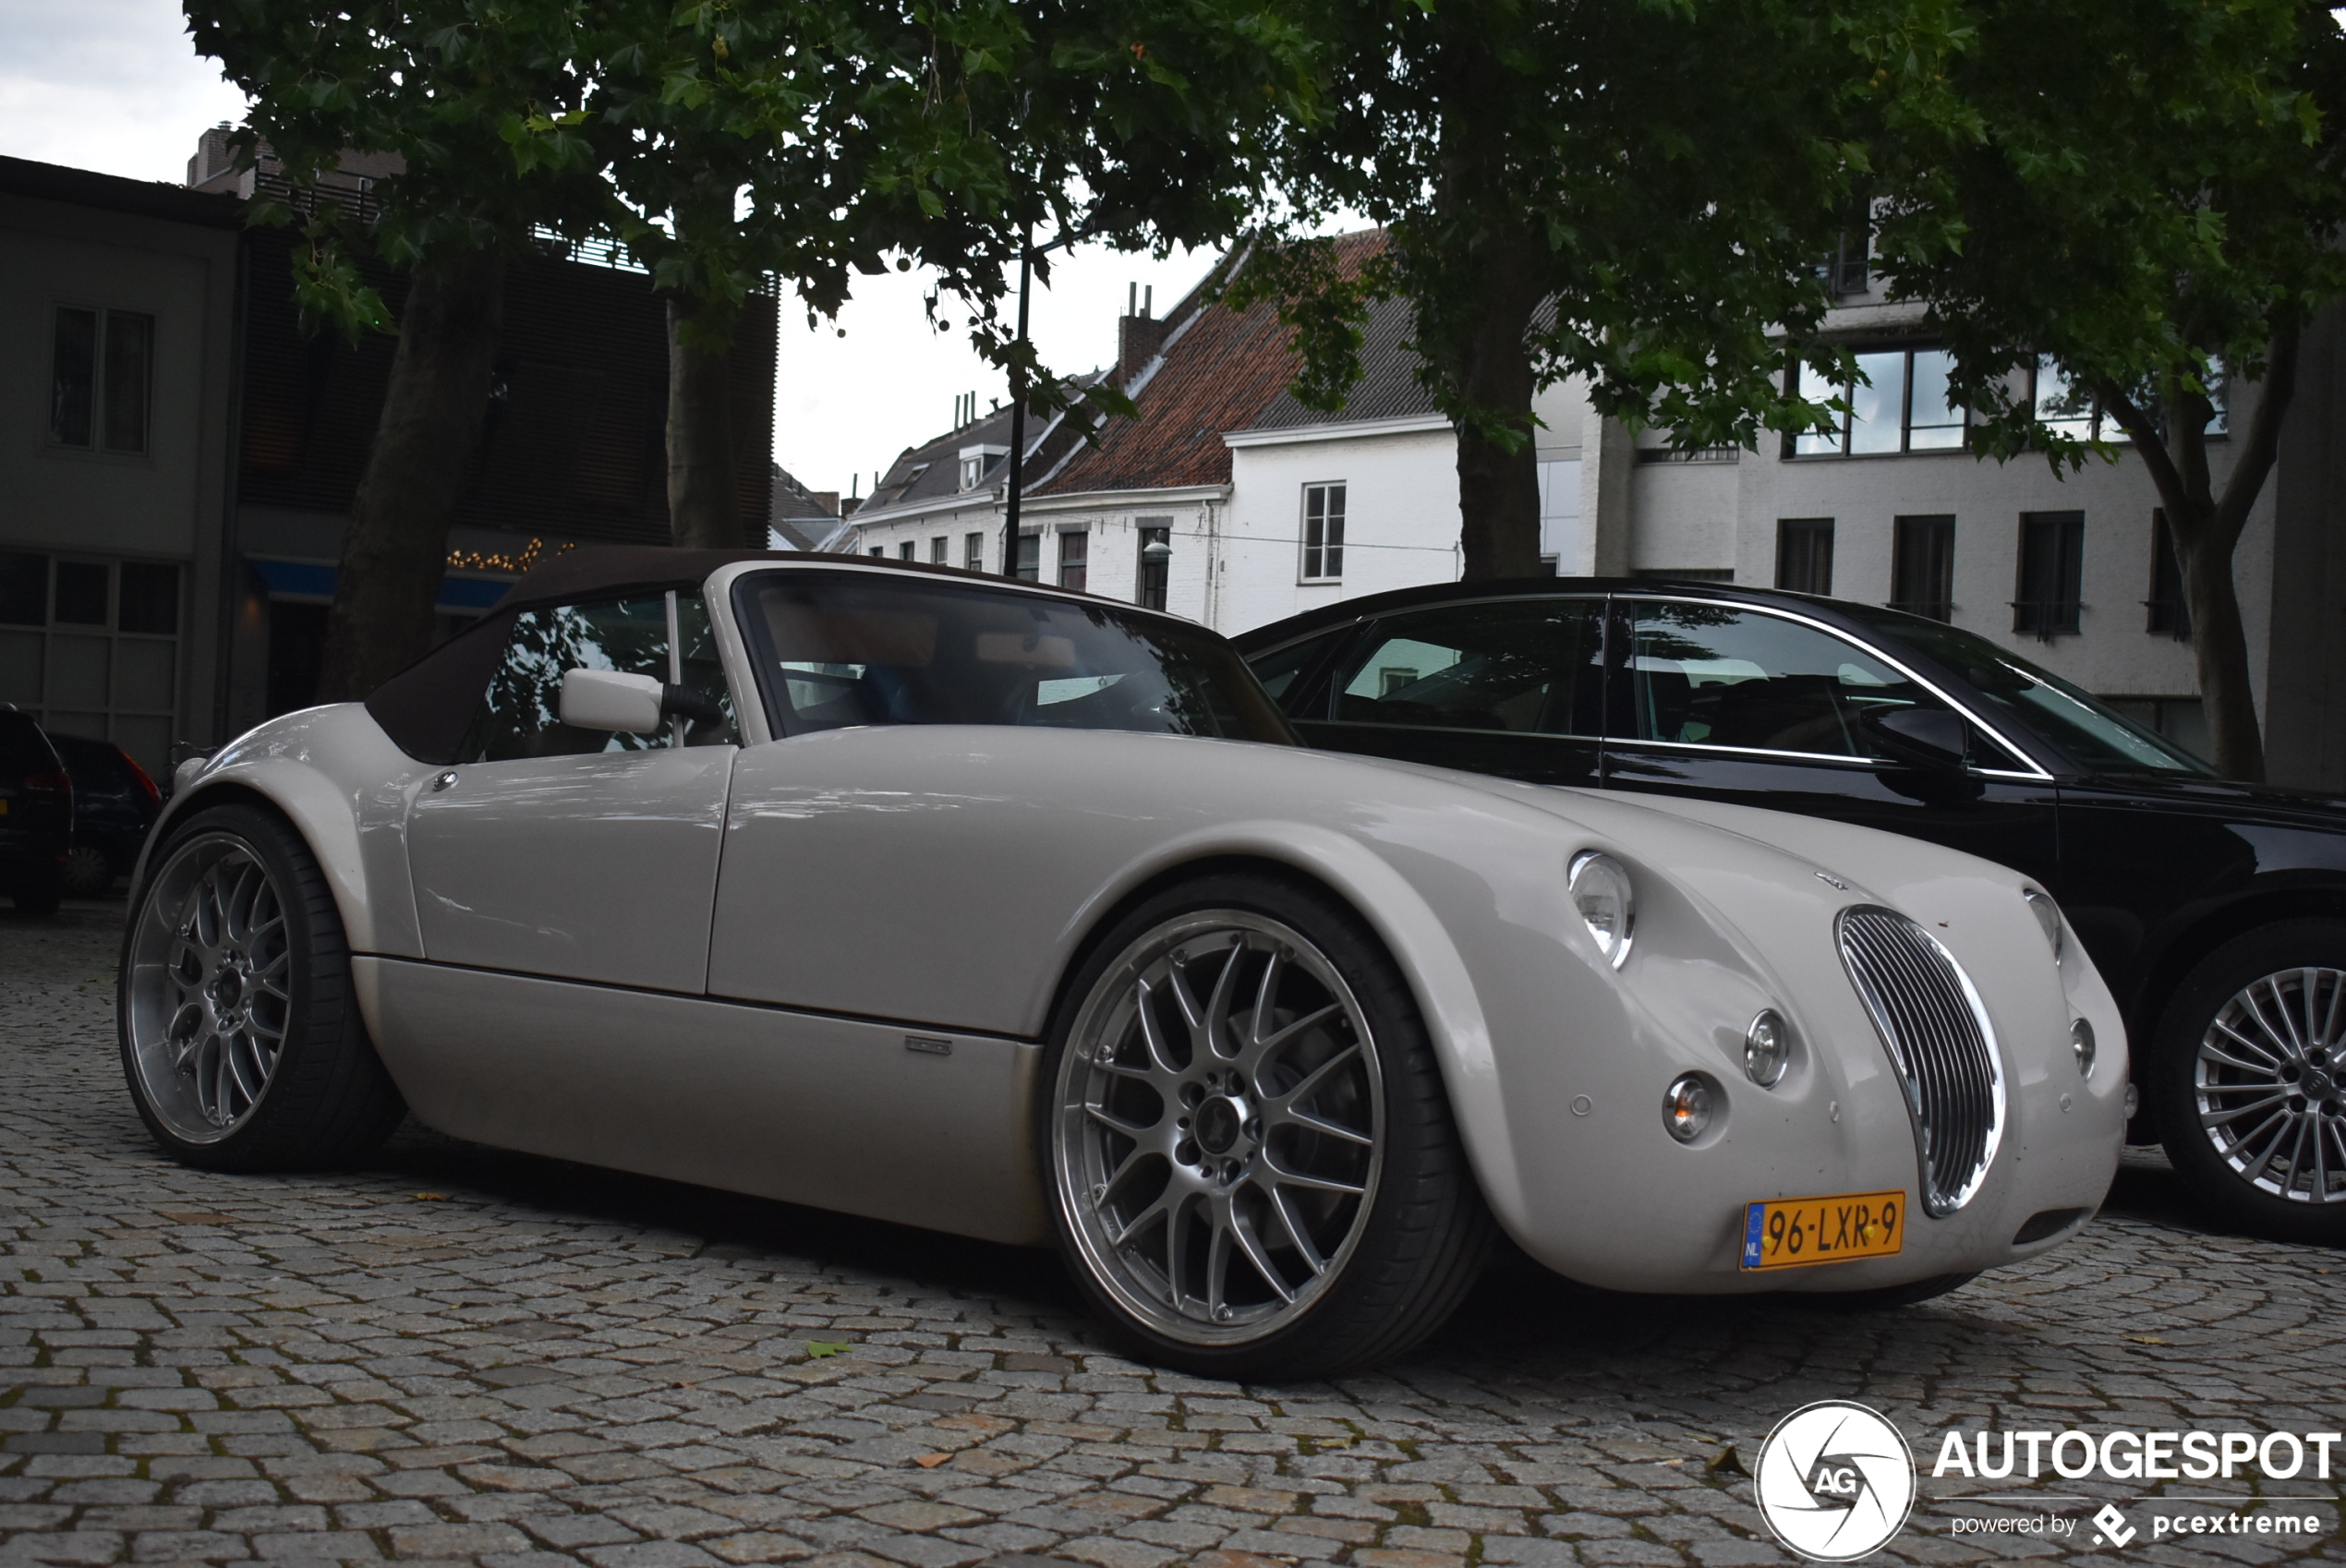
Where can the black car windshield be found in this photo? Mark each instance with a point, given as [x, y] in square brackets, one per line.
[840, 648]
[2078, 722]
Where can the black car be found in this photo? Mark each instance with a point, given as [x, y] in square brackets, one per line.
[2215, 910]
[36, 814]
[114, 804]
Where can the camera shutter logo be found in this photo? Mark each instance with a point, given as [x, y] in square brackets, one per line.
[1835, 1481]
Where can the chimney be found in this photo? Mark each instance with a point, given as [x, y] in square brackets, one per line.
[827, 500]
[1138, 336]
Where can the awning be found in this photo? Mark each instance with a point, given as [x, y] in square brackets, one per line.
[309, 582]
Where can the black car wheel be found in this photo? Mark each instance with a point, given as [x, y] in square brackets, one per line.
[2249, 1073]
[89, 872]
[240, 1033]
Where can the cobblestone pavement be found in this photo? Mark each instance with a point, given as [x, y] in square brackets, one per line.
[461, 1356]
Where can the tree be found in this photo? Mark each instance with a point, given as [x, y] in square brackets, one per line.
[2150, 198]
[1636, 191]
[433, 86]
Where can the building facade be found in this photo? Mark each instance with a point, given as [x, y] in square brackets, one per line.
[1230, 503]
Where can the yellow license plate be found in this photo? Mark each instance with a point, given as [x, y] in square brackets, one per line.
[1799, 1233]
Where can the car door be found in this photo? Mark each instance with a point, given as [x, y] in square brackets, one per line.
[572, 854]
[1511, 687]
[1735, 702]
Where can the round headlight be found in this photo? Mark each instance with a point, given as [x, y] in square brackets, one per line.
[2048, 915]
[1600, 892]
[1767, 1049]
[1686, 1105]
[2081, 1046]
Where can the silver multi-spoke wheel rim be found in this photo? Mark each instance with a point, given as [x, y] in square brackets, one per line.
[210, 986]
[1220, 1128]
[2267, 1084]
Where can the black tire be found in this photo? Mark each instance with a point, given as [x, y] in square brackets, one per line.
[89, 871]
[2240, 1175]
[40, 894]
[1412, 1247]
[326, 1100]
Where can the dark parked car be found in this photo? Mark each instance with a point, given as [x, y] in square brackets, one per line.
[36, 814]
[114, 804]
[2215, 910]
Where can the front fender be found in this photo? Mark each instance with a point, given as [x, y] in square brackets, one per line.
[344, 787]
[1420, 945]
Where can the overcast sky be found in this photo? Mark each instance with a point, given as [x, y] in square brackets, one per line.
[115, 85]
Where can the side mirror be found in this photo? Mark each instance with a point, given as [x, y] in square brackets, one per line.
[604, 699]
[1931, 739]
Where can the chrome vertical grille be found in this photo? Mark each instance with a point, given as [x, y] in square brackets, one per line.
[1940, 1039]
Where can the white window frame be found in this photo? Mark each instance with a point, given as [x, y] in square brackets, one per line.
[1318, 554]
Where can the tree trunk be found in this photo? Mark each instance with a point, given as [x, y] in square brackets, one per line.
[433, 409]
[1499, 488]
[702, 510]
[2206, 529]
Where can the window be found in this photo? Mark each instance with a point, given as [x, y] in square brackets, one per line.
[2051, 574]
[1922, 566]
[1030, 556]
[880, 550]
[520, 713]
[1804, 554]
[1901, 403]
[1156, 560]
[973, 472]
[100, 380]
[1530, 668]
[90, 647]
[2060, 405]
[1075, 559]
[908, 551]
[1713, 675]
[973, 552]
[1322, 532]
[834, 650]
[2170, 610]
[936, 550]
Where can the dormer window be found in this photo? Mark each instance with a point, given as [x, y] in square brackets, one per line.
[979, 461]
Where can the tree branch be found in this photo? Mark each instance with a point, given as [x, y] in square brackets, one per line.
[2257, 454]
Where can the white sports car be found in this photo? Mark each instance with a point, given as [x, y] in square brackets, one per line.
[1015, 913]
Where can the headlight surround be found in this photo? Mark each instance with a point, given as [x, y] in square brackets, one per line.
[2082, 1047]
[1688, 1105]
[2049, 919]
[1767, 1049]
[1608, 904]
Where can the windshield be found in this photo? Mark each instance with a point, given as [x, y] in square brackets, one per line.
[835, 649]
[2076, 721]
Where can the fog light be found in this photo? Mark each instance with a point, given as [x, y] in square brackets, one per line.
[2081, 1046]
[1766, 1048]
[1686, 1105]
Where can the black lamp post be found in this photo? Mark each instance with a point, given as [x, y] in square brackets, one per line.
[1027, 254]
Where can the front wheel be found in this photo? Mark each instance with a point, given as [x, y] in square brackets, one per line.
[2249, 1072]
[1255, 1171]
[241, 1036]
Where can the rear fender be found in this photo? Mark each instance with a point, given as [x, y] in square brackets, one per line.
[337, 779]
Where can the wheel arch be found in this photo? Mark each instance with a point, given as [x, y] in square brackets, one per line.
[307, 802]
[2182, 951]
[1395, 912]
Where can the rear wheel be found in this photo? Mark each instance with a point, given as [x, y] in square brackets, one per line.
[89, 872]
[240, 1037]
[2249, 1071]
[1255, 1166]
